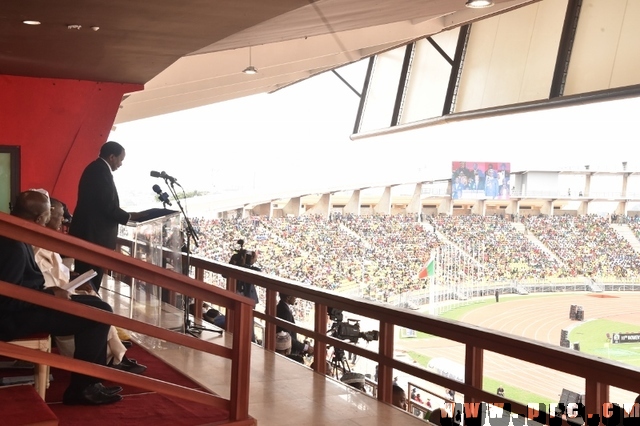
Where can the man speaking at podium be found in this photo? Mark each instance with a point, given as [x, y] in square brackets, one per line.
[98, 213]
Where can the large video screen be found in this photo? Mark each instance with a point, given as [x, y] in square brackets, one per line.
[480, 180]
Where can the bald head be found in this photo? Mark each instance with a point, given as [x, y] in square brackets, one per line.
[32, 206]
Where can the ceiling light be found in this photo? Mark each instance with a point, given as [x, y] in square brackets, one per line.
[478, 4]
[250, 69]
[31, 22]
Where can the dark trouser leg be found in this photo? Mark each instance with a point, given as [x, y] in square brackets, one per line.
[82, 267]
[90, 336]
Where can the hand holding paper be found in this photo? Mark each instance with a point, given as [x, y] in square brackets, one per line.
[78, 281]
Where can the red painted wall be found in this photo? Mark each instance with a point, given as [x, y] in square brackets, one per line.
[59, 126]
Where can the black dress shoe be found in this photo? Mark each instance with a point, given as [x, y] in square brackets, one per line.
[130, 365]
[109, 390]
[91, 395]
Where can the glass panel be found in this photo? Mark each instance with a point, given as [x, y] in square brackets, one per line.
[429, 78]
[383, 88]
[151, 237]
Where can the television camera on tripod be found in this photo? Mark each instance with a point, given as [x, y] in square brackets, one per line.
[349, 330]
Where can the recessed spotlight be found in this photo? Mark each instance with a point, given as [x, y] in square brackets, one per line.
[31, 22]
[479, 4]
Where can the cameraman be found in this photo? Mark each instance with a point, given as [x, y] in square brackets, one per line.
[283, 311]
[246, 259]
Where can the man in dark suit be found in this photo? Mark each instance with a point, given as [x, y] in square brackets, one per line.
[98, 213]
[283, 311]
[19, 318]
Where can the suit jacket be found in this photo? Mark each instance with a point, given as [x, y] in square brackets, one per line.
[18, 266]
[98, 211]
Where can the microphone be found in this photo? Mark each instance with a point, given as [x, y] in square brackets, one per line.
[162, 196]
[163, 175]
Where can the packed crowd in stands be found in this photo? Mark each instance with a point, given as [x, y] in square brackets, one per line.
[587, 244]
[381, 255]
[500, 250]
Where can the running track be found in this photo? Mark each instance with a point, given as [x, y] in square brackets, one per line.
[540, 318]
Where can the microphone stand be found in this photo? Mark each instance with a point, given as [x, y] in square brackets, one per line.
[189, 327]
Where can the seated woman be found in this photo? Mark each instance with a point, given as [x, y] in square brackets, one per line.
[57, 274]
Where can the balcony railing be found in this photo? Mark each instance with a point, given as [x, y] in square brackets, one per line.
[238, 403]
[599, 374]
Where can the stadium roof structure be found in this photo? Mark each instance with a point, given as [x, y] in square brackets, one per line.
[191, 53]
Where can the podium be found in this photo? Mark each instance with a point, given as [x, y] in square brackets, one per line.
[157, 239]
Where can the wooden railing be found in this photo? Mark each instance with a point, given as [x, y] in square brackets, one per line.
[240, 353]
[599, 374]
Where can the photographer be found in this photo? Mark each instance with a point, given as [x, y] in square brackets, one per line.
[283, 311]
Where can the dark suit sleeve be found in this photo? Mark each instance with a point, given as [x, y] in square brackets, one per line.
[15, 268]
[107, 197]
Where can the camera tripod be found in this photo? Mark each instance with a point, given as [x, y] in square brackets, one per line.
[338, 362]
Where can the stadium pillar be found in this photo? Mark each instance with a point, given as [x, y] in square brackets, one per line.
[622, 208]
[547, 208]
[513, 208]
[445, 207]
[415, 205]
[384, 205]
[583, 208]
[293, 207]
[265, 209]
[587, 184]
[480, 208]
[322, 207]
[353, 206]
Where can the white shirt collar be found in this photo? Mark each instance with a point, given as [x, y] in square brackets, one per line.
[108, 165]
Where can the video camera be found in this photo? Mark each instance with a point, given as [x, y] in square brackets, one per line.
[241, 257]
[349, 330]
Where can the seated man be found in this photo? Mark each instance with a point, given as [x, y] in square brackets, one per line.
[355, 380]
[283, 311]
[57, 274]
[19, 318]
[283, 347]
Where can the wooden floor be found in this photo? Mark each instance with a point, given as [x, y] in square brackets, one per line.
[283, 392]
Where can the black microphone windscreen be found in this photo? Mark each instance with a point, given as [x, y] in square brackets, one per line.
[155, 174]
[156, 189]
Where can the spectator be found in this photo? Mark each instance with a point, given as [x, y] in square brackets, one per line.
[355, 380]
[283, 311]
[399, 397]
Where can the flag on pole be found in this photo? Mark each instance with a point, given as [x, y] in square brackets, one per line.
[428, 270]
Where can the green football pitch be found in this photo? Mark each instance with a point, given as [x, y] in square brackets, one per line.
[592, 336]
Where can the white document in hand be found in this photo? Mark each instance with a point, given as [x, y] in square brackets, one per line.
[72, 285]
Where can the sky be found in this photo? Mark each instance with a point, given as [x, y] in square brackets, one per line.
[299, 138]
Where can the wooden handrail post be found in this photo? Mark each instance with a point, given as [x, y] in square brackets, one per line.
[231, 286]
[197, 312]
[595, 395]
[320, 348]
[241, 361]
[473, 368]
[270, 328]
[385, 371]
